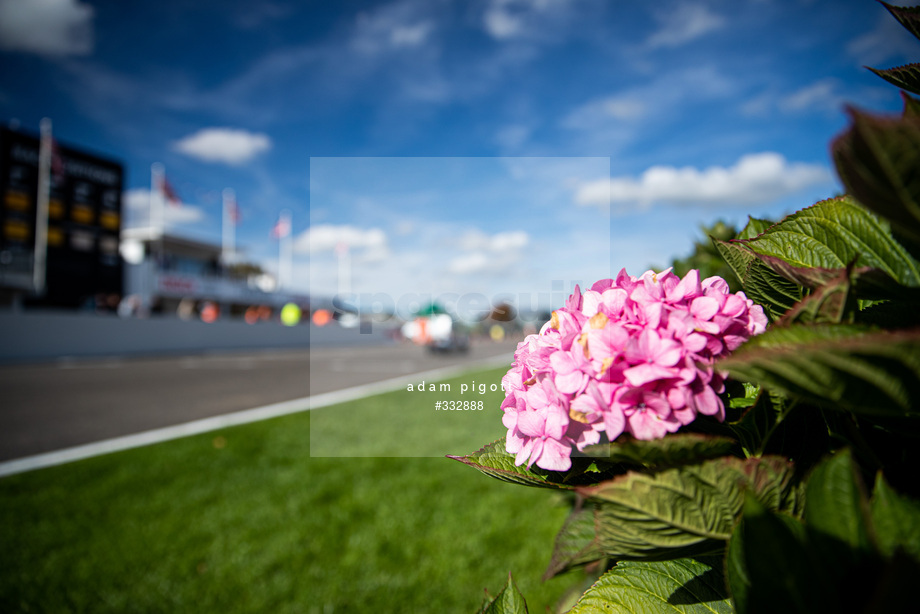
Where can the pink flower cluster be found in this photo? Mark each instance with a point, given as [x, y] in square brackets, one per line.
[630, 355]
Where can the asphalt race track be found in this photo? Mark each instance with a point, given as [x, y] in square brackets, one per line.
[56, 405]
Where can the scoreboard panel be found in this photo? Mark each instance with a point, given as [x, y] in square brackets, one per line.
[84, 221]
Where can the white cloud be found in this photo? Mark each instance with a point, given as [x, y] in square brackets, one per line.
[136, 205]
[686, 22]
[624, 108]
[502, 241]
[821, 95]
[47, 27]
[392, 26]
[758, 105]
[227, 145]
[754, 179]
[327, 237]
[412, 35]
[888, 41]
[652, 100]
[508, 19]
[505, 241]
[473, 262]
[513, 136]
[404, 228]
[500, 24]
[484, 252]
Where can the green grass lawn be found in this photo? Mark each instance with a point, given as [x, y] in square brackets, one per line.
[407, 424]
[245, 520]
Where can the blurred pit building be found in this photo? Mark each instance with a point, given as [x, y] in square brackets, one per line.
[62, 245]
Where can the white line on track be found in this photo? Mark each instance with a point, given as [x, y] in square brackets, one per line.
[196, 427]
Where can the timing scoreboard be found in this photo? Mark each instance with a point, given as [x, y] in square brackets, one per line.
[84, 221]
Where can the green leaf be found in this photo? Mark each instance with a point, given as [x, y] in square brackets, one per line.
[736, 573]
[770, 569]
[493, 460]
[837, 514]
[675, 513]
[770, 290]
[829, 563]
[761, 284]
[830, 303]
[908, 16]
[737, 257]
[835, 366]
[906, 77]
[758, 423]
[817, 244]
[751, 394]
[753, 228]
[877, 160]
[896, 519]
[508, 601]
[911, 106]
[683, 585]
[671, 451]
[576, 543]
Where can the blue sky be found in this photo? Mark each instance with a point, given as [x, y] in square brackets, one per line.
[606, 132]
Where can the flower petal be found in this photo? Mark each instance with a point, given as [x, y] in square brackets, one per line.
[704, 307]
[689, 286]
[524, 453]
[614, 422]
[562, 362]
[646, 425]
[641, 375]
[532, 423]
[555, 456]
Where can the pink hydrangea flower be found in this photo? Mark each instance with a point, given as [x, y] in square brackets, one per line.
[629, 355]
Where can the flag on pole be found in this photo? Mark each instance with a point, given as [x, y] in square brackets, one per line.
[231, 216]
[233, 211]
[282, 227]
[282, 232]
[57, 162]
[168, 192]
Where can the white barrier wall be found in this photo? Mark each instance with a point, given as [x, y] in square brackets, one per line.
[38, 336]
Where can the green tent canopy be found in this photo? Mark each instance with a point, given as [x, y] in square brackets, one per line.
[430, 309]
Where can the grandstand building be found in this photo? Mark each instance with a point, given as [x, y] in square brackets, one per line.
[170, 274]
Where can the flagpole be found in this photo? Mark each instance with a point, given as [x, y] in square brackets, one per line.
[40, 254]
[157, 214]
[228, 238]
[284, 251]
